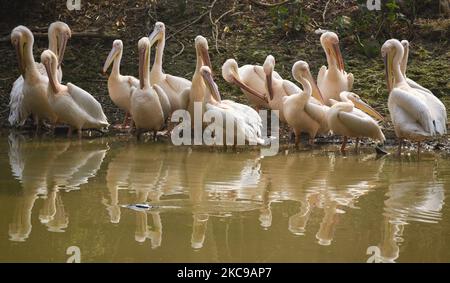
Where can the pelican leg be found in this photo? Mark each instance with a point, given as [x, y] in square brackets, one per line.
[125, 120]
[138, 134]
[418, 148]
[400, 143]
[131, 126]
[357, 144]
[297, 138]
[36, 132]
[80, 134]
[69, 133]
[344, 144]
[155, 135]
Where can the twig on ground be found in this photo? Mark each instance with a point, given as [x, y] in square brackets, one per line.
[193, 22]
[325, 10]
[269, 4]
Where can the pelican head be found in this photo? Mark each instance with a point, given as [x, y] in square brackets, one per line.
[144, 59]
[405, 44]
[268, 67]
[360, 104]
[201, 45]
[391, 49]
[230, 73]
[117, 48]
[62, 33]
[330, 43]
[206, 73]
[300, 71]
[158, 33]
[21, 36]
[50, 62]
[18, 40]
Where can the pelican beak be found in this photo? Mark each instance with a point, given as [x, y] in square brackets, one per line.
[269, 85]
[360, 104]
[388, 70]
[50, 75]
[338, 56]
[19, 51]
[316, 93]
[110, 59]
[207, 76]
[142, 53]
[153, 37]
[62, 47]
[205, 57]
[248, 89]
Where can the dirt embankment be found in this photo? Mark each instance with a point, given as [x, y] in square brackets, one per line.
[244, 30]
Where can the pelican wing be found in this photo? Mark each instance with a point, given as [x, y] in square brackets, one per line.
[179, 84]
[247, 120]
[17, 113]
[164, 100]
[132, 82]
[415, 85]
[88, 103]
[361, 126]
[290, 88]
[317, 112]
[438, 111]
[414, 106]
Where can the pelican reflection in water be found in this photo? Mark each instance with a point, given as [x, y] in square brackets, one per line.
[213, 183]
[407, 201]
[43, 169]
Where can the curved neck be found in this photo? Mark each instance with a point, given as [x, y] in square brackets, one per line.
[404, 62]
[54, 83]
[30, 64]
[116, 64]
[396, 66]
[157, 63]
[307, 90]
[145, 80]
[199, 63]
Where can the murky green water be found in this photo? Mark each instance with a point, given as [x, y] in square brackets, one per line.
[209, 206]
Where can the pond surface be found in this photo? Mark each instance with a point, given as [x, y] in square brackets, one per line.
[120, 201]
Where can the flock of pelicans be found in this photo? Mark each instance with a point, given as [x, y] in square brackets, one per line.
[316, 109]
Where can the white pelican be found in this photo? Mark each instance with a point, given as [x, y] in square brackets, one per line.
[251, 79]
[173, 86]
[120, 87]
[247, 122]
[72, 104]
[198, 88]
[435, 104]
[300, 113]
[346, 120]
[34, 100]
[150, 106]
[58, 34]
[278, 88]
[414, 113]
[333, 80]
